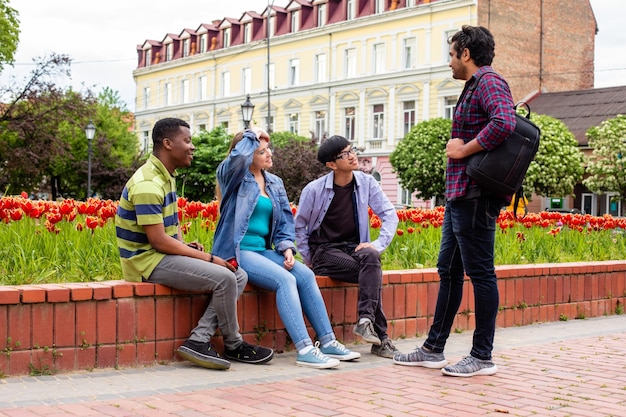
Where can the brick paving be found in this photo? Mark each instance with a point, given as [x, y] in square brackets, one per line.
[574, 368]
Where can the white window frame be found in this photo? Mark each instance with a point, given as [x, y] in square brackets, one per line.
[225, 84]
[350, 63]
[409, 116]
[408, 53]
[148, 57]
[145, 141]
[186, 47]
[167, 94]
[349, 123]
[184, 86]
[293, 123]
[295, 21]
[350, 9]
[226, 35]
[320, 122]
[169, 51]
[294, 72]
[271, 76]
[247, 80]
[204, 43]
[379, 6]
[378, 121]
[608, 197]
[446, 46]
[146, 97]
[321, 74]
[379, 58]
[247, 32]
[321, 15]
[203, 88]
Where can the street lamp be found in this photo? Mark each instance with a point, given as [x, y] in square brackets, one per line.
[247, 108]
[90, 132]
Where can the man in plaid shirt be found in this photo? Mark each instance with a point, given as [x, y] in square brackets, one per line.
[468, 232]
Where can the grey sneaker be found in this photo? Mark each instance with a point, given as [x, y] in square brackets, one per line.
[421, 357]
[366, 331]
[470, 366]
[386, 349]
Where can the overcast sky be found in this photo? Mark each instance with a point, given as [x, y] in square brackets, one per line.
[101, 36]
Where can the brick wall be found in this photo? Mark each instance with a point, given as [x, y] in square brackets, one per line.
[67, 327]
[542, 44]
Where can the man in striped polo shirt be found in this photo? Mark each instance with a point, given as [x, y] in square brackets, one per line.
[152, 249]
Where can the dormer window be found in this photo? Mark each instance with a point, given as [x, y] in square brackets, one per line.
[226, 37]
[379, 6]
[185, 47]
[203, 43]
[350, 9]
[148, 57]
[247, 33]
[295, 17]
[169, 52]
[321, 15]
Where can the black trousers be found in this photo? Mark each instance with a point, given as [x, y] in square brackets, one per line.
[339, 261]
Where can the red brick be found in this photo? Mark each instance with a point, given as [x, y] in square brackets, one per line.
[351, 304]
[106, 356]
[250, 316]
[42, 359]
[106, 324]
[86, 323]
[101, 291]
[86, 358]
[79, 292]
[126, 320]
[43, 324]
[57, 294]
[143, 289]
[399, 302]
[19, 326]
[20, 362]
[65, 324]
[126, 354]
[199, 303]
[164, 318]
[145, 318]
[146, 353]
[182, 317]
[33, 294]
[9, 295]
[121, 289]
[267, 310]
[165, 350]
[422, 300]
[160, 290]
[65, 359]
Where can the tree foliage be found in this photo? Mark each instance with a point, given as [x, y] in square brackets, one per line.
[199, 180]
[558, 165]
[43, 147]
[295, 161]
[9, 33]
[607, 163]
[419, 160]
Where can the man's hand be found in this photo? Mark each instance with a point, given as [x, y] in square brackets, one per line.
[455, 148]
[364, 245]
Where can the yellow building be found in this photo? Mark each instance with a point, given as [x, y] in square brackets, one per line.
[368, 70]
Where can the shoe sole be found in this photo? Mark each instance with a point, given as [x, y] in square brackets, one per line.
[369, 339]
[252, 362]
[423, 364]
[209, 362]
[485, 371]
[326, 365]
[352, 356]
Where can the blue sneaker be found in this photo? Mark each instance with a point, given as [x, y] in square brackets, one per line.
[338, 351]
[316, 359]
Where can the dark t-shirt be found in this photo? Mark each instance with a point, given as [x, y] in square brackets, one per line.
[339, 224]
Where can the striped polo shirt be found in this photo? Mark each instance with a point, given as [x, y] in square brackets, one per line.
[149, 197]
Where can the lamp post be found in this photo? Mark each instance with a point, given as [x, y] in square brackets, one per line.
[247, 108]
[90, 132]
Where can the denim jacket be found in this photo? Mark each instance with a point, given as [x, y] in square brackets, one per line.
[317, 196]
[240, 193]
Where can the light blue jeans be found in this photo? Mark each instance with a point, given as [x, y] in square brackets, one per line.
[296, 291]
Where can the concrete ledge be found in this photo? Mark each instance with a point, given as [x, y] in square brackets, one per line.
[67, 327]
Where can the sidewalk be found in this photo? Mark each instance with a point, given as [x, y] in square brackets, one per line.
[573, 368]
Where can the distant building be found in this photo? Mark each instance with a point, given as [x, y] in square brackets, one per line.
[365, 69]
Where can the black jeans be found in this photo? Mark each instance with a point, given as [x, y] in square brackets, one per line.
[467, 247]
[339, 261]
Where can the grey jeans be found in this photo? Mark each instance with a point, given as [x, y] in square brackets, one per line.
[191, 274]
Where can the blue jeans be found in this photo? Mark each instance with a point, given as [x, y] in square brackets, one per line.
[467, 246]
[191, 274]
[296, 291]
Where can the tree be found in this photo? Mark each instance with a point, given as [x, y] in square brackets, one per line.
[607, 163]
[295, 161]
[9, 33]
[199, 180]
[419, 160]
[558, 165]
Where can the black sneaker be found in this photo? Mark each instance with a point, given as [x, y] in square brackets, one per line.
[386, 349]
[202, 354]
[248, 353]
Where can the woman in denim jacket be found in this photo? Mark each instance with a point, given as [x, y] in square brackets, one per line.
[256, 231]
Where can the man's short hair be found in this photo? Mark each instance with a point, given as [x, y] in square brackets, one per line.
[330, 148]
[166, 128]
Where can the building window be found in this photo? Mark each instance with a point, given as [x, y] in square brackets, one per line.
[185, 48]
[225, 84]
[226, 37]
[202, 88]
[449, 103]
[349, 120]
[168, 94]
[146, 97]
[378, 121]
[408, 116]
[204, 43]
[379, 58]
[185, 91]
[294, 21]
[321, 15]
[247, 80]
[350, 9]
[350, 64]
[409, 53]
[410, 3]
[446, 46]
[379, 6]
[269, 124]
[272, 25]
[270, 77]
[294, 72]
[145, 141]
[405, 197]
[320, 125]
[169, 51]
[293, 123]
[247, 33]
[320, 68]
[148, 57]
